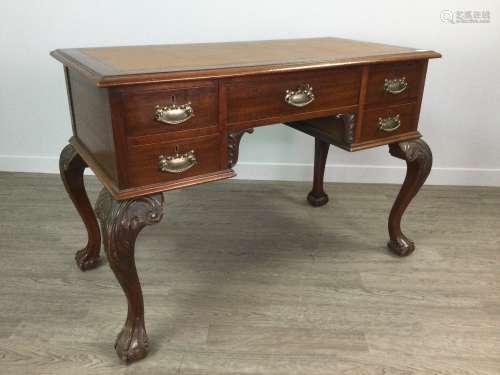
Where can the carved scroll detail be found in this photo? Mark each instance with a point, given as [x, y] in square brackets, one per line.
[413, 150]
[233, 146]
[68, 154]
[418, 157]
[349, 126]
[121, 222]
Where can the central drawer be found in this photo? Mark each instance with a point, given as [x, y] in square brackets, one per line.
[287, 96]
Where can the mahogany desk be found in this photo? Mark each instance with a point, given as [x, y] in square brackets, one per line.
[148, 119]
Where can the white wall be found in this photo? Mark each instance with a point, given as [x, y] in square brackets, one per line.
[459, 119]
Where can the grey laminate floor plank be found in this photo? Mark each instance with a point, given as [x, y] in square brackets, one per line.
[243, 277]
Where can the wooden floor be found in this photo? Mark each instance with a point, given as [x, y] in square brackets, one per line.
[246, 278]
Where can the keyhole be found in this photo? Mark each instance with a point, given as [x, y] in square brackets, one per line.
[176, 149]
[172, 98]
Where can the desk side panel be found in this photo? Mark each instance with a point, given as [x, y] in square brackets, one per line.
[92, 125]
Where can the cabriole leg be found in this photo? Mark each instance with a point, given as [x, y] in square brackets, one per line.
[418, 157]
[71, 167]
[121, 222]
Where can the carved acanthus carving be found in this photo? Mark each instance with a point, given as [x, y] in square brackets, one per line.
[233, 146]
[349, 126]
[121, 222]
[412, 151]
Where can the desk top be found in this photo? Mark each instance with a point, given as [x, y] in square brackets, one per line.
[112, 66]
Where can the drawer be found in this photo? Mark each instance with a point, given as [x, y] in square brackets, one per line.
[145, 162]
[395, 82]
[265, 97]
[388, 122]
[164, 108]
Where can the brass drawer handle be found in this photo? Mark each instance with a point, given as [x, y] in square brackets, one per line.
[395, 86]
[177, 163]
[389, 124]
[300, 97]
[173, 114]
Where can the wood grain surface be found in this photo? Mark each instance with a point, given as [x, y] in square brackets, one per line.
[263, 98]
[110, 66]
[246, 278]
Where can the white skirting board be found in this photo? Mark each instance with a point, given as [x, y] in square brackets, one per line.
[300, 172]
[366, 174]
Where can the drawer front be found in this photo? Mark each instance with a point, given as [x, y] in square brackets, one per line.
[166, 108]
[259, 98]
[388, 122]
[392, 83]
[145, 162]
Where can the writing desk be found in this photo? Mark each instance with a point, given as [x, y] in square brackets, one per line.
[148, 119]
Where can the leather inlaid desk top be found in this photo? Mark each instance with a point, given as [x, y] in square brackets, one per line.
[108, 66]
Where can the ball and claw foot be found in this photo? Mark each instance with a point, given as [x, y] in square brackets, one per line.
[402, 246]
[121, 222]
[86, 261]
[317, 200]
[132, 343]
